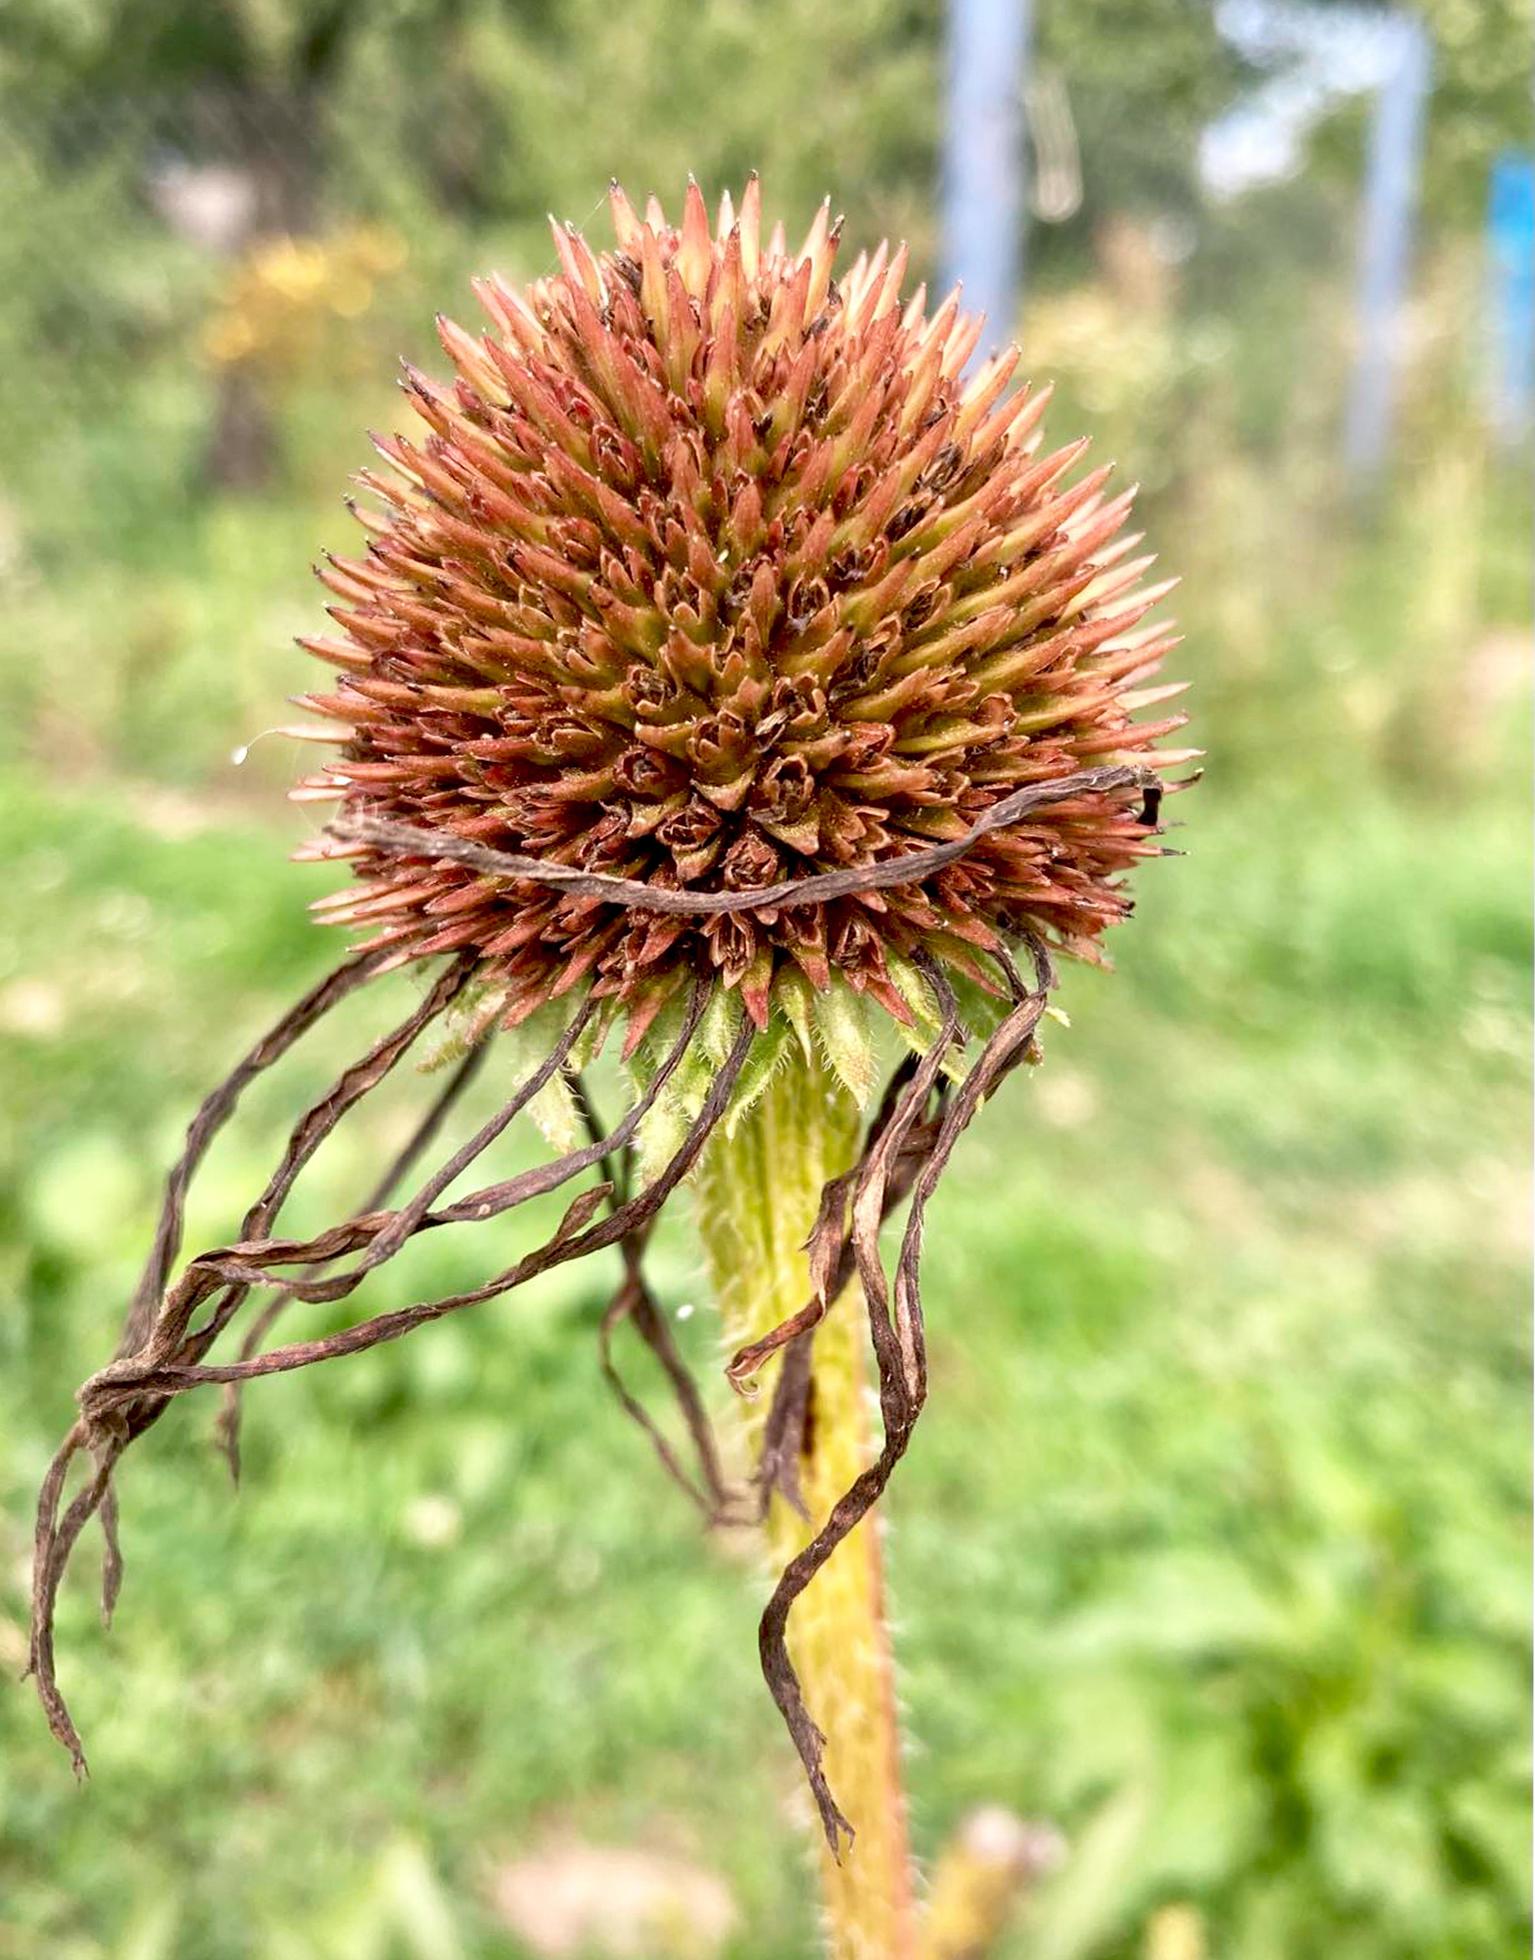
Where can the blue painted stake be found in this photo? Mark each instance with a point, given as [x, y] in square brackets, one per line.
[1385, 247]
[983, 203]
[1511, 296]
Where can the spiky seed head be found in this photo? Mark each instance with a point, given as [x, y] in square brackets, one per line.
[710, 572]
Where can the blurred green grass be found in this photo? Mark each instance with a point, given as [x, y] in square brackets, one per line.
[1211, 1546]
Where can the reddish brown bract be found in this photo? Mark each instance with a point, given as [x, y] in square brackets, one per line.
[711, 573]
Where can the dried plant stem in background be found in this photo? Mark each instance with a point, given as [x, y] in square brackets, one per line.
[759, 1197]
[979, 1880]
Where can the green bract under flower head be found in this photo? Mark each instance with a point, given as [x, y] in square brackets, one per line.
[713, 572]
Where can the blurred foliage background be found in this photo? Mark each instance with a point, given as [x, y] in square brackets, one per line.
[1211, 1551]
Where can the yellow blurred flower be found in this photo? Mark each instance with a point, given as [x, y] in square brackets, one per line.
[284, 293]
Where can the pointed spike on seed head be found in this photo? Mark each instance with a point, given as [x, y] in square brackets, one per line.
[422, 384]
[1023, 418]
[695, 255]
[941, 325]
[816, 237]
[1122, 545]
[820, 262]
[1153, 595]
[626, 225]
[576, 260]
[1113, 572]
[1138, 638]
[469, 357]
[751, 226]
[854, 282]
[323, 850]
[962, 343]
[889, 295]
[985, 382]
[1148, 697]
[983, 392]
[510, 311]
[1106, 586]
[1095, 520]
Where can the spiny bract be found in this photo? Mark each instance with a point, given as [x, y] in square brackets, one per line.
[714, 571]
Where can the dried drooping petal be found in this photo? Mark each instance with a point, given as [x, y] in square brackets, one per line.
[712, 574]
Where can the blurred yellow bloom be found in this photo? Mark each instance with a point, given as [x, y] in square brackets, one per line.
[284, 293]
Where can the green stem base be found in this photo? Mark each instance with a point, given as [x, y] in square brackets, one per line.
[758, 1194]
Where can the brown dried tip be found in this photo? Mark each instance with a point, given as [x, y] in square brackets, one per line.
[713, 574]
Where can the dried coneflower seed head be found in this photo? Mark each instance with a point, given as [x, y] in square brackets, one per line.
[711, 573]
[720, 640]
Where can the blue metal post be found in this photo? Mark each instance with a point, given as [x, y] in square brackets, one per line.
[1511, 295]
[983, 185]
[1385, 246]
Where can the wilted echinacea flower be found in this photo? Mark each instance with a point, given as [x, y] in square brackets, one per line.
[723, 663]
[711, 575]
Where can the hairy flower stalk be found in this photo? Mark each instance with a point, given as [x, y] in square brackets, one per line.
[759, 1195]
[733, 681]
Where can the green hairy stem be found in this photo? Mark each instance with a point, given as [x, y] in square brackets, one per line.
[758, 1192]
